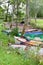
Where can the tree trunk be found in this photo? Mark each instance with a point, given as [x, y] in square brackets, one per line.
[17, 14]
[23, 31]
[27, 17]
[12, 15]
[35, 18]
[7, 12]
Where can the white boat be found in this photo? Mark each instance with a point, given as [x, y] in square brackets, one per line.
[18, 40]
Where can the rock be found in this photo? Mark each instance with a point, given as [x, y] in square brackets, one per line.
[41, 51]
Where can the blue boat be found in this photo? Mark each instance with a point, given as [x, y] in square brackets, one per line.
[34, 33]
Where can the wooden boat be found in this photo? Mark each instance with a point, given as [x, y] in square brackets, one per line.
[31, 42]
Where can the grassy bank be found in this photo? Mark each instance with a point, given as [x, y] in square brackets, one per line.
[4, 38]
[9, 56]
[38, 23]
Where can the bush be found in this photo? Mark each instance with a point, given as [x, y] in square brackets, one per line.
[14, 32]
[41, 62]
[30, 57]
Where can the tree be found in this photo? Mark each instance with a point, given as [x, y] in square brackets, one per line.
[35, 7]
[27, 16]
[1, 13]
[16, 10]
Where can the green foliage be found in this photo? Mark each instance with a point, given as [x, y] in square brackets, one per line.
[14, 32]
[35, 5]
[41, 62]
[1, 9]
[1, 13]
[5, 19]
[8, 56]
[38, 24]
[12, 1]
[5, 39]
[40, 13]
[29, 56]
[20, 15]
[9, 17]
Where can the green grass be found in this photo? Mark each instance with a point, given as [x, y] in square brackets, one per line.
[38, 24]
[10, 57]
[4, 38]
[7, 55]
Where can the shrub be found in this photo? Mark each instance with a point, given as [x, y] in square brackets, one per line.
[41, 62]
[14, 32]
